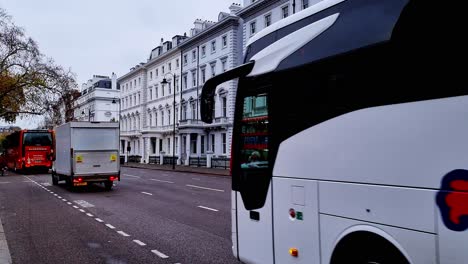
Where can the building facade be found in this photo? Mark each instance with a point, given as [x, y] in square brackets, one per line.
[99, 100]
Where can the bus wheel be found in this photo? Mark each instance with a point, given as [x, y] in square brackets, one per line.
[108, 185]
[366, 248]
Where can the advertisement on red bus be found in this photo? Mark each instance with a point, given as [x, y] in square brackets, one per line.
[29, 149]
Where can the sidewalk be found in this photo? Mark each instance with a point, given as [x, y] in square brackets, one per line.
[179, 168]
[5, 257]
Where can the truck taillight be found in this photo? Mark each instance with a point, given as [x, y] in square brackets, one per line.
[112, 178]
[78, 179]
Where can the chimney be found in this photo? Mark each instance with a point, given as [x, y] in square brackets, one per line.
[234, 8]
[114, 81]
[198, 24]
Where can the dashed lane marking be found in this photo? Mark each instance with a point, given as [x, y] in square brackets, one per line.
[133, 176]
[99, 220]
[83, 211]
[146, 193]
[76, 207]
[207, 208]
[161, 181]
[204, 188]
[84, 203]
[123, 233]
[159, 254]
[90, 215]
[139, 242]
[110, 226]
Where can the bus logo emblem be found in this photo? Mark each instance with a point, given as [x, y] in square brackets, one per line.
[452, 200]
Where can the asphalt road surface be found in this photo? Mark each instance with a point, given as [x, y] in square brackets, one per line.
[149, 217]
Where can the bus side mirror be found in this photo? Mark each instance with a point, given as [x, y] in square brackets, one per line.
[209, 89]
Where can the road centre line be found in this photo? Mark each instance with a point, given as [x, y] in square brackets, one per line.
[110, 226]
[81, 210]
[204, 188]
[90, 215]
[76, 207]
[146, 193]
[208, 208]
[159, 254]
[99, 220]
[139, 242]
[161, 181]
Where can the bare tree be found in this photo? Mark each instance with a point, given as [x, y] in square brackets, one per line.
[29, 82]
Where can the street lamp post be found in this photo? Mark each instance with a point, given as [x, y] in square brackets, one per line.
[164, 81]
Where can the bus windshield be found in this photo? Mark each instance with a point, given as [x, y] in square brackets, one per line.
[37, 139]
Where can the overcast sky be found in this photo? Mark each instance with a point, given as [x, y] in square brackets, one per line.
[105, 36]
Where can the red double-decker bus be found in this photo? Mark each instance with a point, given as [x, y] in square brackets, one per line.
[29, 149]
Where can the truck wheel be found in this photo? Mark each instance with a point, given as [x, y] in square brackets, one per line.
[54, 179]
[108, 185]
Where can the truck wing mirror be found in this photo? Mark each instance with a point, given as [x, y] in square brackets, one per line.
[208, 91]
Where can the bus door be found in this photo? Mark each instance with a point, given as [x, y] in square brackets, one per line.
[251, 174]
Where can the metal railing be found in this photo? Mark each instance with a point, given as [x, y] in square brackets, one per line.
[154, 160]
[220, 162]
[134, 158]
[170, 160]
[197, 161]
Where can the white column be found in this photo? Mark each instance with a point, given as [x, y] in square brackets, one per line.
[147, 149]
[187, 150]
[198, 145]
[179, 149]
[142, 150]
[125, 150]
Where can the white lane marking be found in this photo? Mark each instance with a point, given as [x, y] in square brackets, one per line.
[207, 208]
[139, 242]
[69, 203]
[128, 175]
[90, 215]
[83, 211]
[64, 200]
[84, 203]
[60, 197]
[161, 181]
[4, 182]
[76, 207]
[27, 181]
[99, 220]
[159, 254]
[123, 233]
[55, 194]
[110, 226]
[146, 193]
[204, 188]
[46, 184]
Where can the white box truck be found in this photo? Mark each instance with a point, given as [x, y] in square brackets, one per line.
[87, 152]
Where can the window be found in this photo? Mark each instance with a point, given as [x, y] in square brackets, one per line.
[169, 88]
[160, 145]
[203, 77]
[184, 112]
[185, 82]
[150, 120]
[193, 144]
[134, 99]
[177, 63]
[224, 65]
[176, 85]
[151, 75]
[185, 59]
[213, 69]
[151, 94]
[169, 66]
[162, 90]
[156, 91]
[169, 117]
[213, 143]
[162, 118]
[134, 83]
[177, 114]
[194, 79]
[224, 102]
[194, 111]
[267, 20]
[203, 51]
[130, 85]
[224, 143]
[177, 145]
[213, 46]
[139, 98]
[202, 139]
[224, 41]
[285, 11]
[139, 81]
[305, 4]
[194, 55]
[156, 119]
[162, 69]
[157, 72]
[253, 27]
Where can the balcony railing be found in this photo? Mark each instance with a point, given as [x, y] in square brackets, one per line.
[190, 122]
[221, 120]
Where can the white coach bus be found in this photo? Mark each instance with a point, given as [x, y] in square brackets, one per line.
[351, 136]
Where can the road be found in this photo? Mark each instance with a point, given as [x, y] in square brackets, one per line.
[149, 217]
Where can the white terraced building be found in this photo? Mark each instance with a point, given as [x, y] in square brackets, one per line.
[147, 114]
